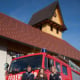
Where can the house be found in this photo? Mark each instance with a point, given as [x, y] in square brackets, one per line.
[44, 30]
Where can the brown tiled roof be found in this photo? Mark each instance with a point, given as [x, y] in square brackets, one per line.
[27, 34]
[45, 13]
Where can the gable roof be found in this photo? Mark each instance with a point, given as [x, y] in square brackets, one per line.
[24, 33]
[45, 13]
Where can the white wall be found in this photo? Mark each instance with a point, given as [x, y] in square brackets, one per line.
[4, 57]
[3, 53]
[9, 59]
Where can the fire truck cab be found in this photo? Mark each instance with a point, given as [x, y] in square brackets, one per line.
[18, 66]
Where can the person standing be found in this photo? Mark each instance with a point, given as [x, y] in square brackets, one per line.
[28, 75]
[54, 75]
[41, 75]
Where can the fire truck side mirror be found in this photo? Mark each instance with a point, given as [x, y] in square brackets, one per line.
[6, 65]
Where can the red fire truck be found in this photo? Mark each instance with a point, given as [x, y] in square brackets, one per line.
[38, 60]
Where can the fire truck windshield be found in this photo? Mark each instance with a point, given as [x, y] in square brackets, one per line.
[20, 65]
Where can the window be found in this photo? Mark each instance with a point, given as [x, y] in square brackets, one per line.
[20, 65]
[48, 63]
[64, 68]
[58, 67]
[57, 30]
[51, 28]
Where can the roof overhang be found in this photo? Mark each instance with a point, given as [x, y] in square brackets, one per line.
[28, 45]
[54, 24]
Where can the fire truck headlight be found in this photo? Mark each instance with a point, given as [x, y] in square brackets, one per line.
[35, 74]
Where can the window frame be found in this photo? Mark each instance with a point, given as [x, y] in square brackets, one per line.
[46, 61]
[49, 64]
[47, 67]
[59, 65]
[64, 69]
[18, 60]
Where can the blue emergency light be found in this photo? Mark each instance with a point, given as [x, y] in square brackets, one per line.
[43, 50]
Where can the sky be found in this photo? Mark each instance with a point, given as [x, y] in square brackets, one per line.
[23, 9]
